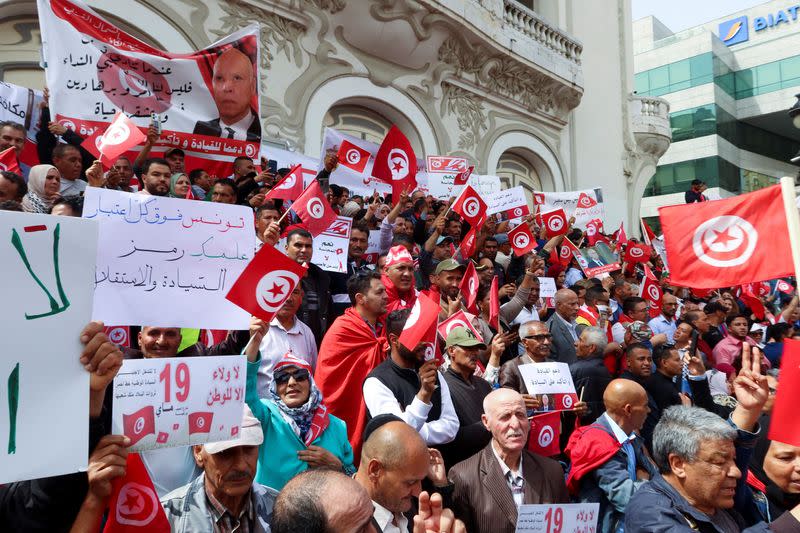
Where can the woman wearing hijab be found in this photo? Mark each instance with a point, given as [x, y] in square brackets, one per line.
[44, 184]
[179, 185]
[299, 433]
[774, 476]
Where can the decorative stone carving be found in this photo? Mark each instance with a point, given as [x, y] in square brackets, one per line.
[469, 112]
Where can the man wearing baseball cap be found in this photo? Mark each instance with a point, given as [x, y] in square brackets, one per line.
[224, 497]
[446, 284]
[467, 392]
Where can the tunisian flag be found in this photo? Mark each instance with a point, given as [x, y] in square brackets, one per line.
[266, 283]
[469, 287]
[522, 240]
[494, 304]
[423, 316]
[350, 350]
[556, 222]
[463, 177]
[134, 505]
[352, 156]
[784, 426]
[395, 163]
[545, 434]
[727, 242]
[120, 136]
[650, 290]
[637, 253]
[290, 187]
[314, 210]
[8, 161]
[470, 206]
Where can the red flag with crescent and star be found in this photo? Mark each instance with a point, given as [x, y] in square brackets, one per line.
[463, 177]
[9, 162]
[314, 210]
[728, 242]
[423, 316]
[470, 206]
[521, 239]
[545, 434]
[290, 187]
[139, 424]
[494, 304]
[556, 222]
[784, 287]
[637, 253]
[621, 237]
[352, 156]
[650, 290]
[266, 283]
[119, 137]
[567, 251]
[469, 287]
[395, 163]
[459, 319]
[134, 505]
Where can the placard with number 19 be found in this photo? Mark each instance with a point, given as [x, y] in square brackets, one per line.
[162, 403]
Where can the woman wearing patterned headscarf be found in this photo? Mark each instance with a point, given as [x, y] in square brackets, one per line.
[44, 184]
[299, 433]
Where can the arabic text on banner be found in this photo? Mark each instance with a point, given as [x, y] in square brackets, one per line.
[569, 201]
[550, 380]
[168, 261]
[331, 246]
[556, 517]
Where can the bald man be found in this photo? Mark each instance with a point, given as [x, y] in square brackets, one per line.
[490, 486]
[234, 87]
[562, 327]
[609, 461]
[394, 461]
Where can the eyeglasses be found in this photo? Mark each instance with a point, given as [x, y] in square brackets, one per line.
[299, 376]
[540, 338]
[773, 392]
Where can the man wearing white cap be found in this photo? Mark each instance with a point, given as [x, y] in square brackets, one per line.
[224, 497]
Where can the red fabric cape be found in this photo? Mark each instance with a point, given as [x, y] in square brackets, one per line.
[395, 300]
[348, 353]
[588, 447]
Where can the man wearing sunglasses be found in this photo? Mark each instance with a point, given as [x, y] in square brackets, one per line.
[536, 339]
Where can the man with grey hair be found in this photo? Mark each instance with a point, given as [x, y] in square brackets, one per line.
[701, 458]
[562, 326]
[589, 374]
[490, 486]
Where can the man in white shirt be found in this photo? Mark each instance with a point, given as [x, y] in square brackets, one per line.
[408, 386]
[285, 334]
[67, 159]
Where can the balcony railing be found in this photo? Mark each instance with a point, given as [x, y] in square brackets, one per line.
[529, 23]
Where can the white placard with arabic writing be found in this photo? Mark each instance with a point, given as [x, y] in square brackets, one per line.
[547, 287]
[506, 200]
[331, 246]
[558, 517]
[168, 261]
[442, 171]
[568, 200]
[178, 401]
[551, 383]
[47, 300]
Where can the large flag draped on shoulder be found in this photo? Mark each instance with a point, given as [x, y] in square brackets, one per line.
[728, 242]
[95, 70]
[395, 163]
[134, 504]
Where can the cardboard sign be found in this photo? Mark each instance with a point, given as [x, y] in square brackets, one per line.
[547, 201]
[331, 246]
[161, 260]
[558, 518]
[442, 171]
[47, 281]
[511, 202]
[551, 383]
[547, 287]
[178, 401]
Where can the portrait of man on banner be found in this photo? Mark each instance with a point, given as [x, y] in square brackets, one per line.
[597, 259]
[234, 87]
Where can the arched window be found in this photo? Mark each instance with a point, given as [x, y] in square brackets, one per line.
[357, 121]
[513, 170]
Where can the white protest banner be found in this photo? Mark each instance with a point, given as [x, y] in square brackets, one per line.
[168, 261]
[551, 383]
[47, 301]
[21, 105]
[591, 208]
[441, 173]
[285, 159]
[511, 201]
[373, 246]
[547, 287]
[558, 517]
[485, 185]
[95, 69]
[178, 401]
[331, 246]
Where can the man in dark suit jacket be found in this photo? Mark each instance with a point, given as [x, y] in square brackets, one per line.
[490, 486]
[213, 129]
[562, 327]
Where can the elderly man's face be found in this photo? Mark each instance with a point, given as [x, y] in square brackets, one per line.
[402, 275]
[395, 488]
[583, 348]
[537, 342]
[567, 306]
[710, 481]
[508, 422]
[292, 304]
[359, 241]
[159, 342]
[265, 218]
[233, 85]
[229, 473]
[124, 169]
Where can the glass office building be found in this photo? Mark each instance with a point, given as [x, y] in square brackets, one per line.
[729, 83]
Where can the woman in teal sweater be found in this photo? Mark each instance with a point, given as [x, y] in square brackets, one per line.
[298, 431]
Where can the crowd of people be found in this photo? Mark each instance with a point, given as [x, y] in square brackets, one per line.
[345, 429]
